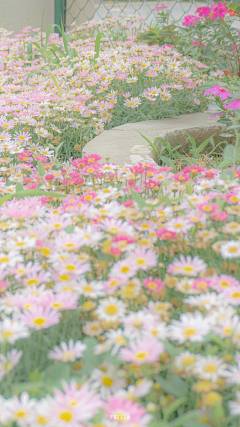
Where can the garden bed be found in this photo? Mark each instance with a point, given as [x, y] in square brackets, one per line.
[119, 284]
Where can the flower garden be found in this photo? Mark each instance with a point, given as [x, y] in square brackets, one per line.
[119, 285]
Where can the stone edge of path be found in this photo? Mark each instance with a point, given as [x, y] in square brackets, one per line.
[124, 144]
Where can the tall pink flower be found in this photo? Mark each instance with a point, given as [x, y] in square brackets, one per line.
[234, 105]
[218, 91]
[203, 11]
[190, 20]
[218, 10]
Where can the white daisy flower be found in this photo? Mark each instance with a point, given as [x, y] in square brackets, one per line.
[210, 368]
[110, 309]
[67, 352]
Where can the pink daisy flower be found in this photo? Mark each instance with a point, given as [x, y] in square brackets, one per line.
[73, 406]
[61, 301]
[144, 350]
[232, 295]
[126, 411]
[224, 283]
[41, 318]
[201, 284]
[153, 284]
[143, 259]
[187, 266]
[164, 234]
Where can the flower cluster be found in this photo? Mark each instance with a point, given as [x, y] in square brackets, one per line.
[119, 285]
[217, 10]
[116, 283]
[49, 99]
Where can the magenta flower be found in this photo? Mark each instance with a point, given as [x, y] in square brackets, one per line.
[162, 7]
[203, 11]
[218, 10]
[190, 20]
[218, 91]
[234, 105]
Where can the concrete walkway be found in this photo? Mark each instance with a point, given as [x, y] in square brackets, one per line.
[124, 144]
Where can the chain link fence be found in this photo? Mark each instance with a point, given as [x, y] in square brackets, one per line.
[80, 11]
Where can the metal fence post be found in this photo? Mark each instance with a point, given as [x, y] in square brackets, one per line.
[59, 14]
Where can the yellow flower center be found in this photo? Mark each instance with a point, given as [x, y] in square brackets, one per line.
[233, 249]
[125, 269]
[140, 261]
[210, 368]
[32, 282]
[70, 267]
[224, 284]
[152, 285]
[189, 331]
[66, 416]
[39, 321]
[4, 259]
[235, 295]
[57, 305]
[88, 288]
[114, 229]
[46, 251]
[7, 334]
[188, 268]
[64, 277]
[141, 355]
[111, 309]
[107, 381]
[42, 420]
[188, 361]
[20, 414]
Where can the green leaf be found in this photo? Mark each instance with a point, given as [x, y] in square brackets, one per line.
[203, 145]
[174, 385]
[228, 153]
[218, 414]
[157, 423]
[97, 47]
[188, 416]
[19, 187]
[36, 375]
[34, 387]
[138, 199]
[224, 164]
[227, 176]
[90, 360]
[65, 43]
[30, 50]
[57, 85]
[170, 349]
[69, 229]
[196, 424]
[40, 169]
[149, 142]
[48, 32]
[8, 183]
[29, 193]
[173, 407]
[54, 374]
[191, 140]
[168, 162]
[5, 198]
[73, 53]
[189, 189]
